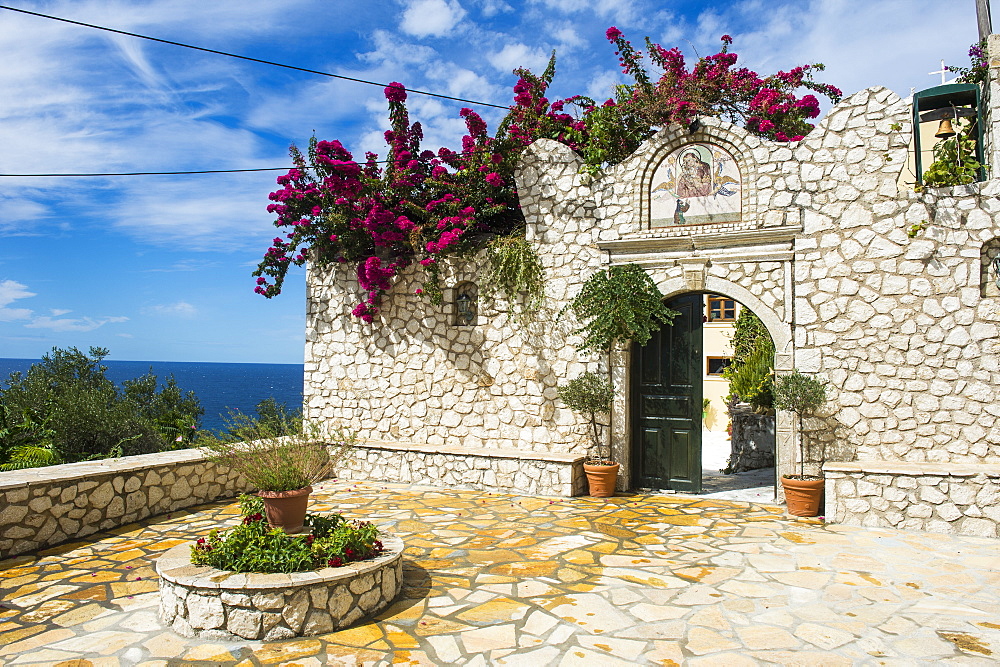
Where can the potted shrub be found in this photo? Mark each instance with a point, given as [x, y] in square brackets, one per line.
[280, 462]
[590, 394]
[801, 394]
[615, 306]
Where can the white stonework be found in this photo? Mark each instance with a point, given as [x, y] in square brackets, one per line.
[199, 601]
[905, 330]
[41, 507]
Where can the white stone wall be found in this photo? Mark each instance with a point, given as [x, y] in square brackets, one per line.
[485, 469]
[905, 330]
[40, 507]
[961, 498]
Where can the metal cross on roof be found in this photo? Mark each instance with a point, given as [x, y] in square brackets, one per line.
[942, 72]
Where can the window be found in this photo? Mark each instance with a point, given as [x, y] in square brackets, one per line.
[721, 309]
[715, 365]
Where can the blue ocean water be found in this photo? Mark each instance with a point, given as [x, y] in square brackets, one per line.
[220, 387]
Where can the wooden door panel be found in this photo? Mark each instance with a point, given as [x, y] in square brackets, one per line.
[666, 402]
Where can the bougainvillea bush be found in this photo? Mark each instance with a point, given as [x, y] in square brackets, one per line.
[419, 206]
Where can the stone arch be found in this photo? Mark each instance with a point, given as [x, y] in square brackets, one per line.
[781, 332]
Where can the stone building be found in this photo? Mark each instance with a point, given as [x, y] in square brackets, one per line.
[811, 236]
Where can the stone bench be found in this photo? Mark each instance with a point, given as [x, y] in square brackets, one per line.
[957, 498]
[483, 469]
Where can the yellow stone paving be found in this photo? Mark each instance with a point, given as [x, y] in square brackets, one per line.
[492, 579]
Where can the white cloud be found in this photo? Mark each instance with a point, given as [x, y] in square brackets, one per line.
[431, 18]
[179, 309]
[11, 291]
[616, 10]
[491, 8]
[72, 324]
[519, 55]
[602, 86]
[56, 312]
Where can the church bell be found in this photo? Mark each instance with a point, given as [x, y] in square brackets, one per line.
[945, 129]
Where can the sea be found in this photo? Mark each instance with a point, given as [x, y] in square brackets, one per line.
[220, 387]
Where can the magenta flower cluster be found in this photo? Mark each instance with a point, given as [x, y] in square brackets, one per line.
[383, 216]
[417, 206]
[767, 106]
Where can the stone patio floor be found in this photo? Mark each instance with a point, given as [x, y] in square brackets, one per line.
[498, 579]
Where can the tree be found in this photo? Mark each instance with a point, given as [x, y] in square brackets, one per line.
[65, 409]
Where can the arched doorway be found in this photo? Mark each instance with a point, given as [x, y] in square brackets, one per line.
[672, 445]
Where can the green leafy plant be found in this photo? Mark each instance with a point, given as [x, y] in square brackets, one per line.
[270, 458]
[515, 270]
[955, 160]
[749, 373]
[915, 229]
[619, 304]
[65, 409]
[803, 395]
[752, 380]
[252, 546]
[590, 393]
[979, 68]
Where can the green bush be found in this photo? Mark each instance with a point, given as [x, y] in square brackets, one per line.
[750, 373]
[590, 393]
[253, 546]
[65, 409]
[799, 393]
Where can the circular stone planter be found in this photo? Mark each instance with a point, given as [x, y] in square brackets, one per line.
[198, 601]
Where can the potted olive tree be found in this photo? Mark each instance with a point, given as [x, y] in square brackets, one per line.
[801, 394]
[589, 394]
[614, 306]
[282, 463]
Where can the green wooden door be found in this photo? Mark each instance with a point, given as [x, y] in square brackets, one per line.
[666, 403]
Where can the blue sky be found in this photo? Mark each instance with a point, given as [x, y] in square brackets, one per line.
[158, 267]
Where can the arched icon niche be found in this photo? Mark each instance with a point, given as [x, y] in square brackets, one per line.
[696, 184]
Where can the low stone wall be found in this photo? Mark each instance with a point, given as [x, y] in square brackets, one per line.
[937, 497]
[495, 470]
[752, 440]
[205, 602]
[42, 507]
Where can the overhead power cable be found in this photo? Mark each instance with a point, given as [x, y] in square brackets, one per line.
[256, 60]
[153, 173]
[172, 173]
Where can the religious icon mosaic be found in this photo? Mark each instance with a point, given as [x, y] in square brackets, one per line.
[697, 184]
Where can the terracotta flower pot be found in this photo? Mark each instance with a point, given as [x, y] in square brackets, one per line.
[803, 496]
[286, 509]
[601, 479]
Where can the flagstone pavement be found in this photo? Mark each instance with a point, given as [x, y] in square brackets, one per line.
[494, 579]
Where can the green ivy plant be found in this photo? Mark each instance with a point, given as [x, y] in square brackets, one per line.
[749, 374]
[619, 304]
[590, 393]
[803, 395]
[253, 546]
[955, 160]
[515, 270]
